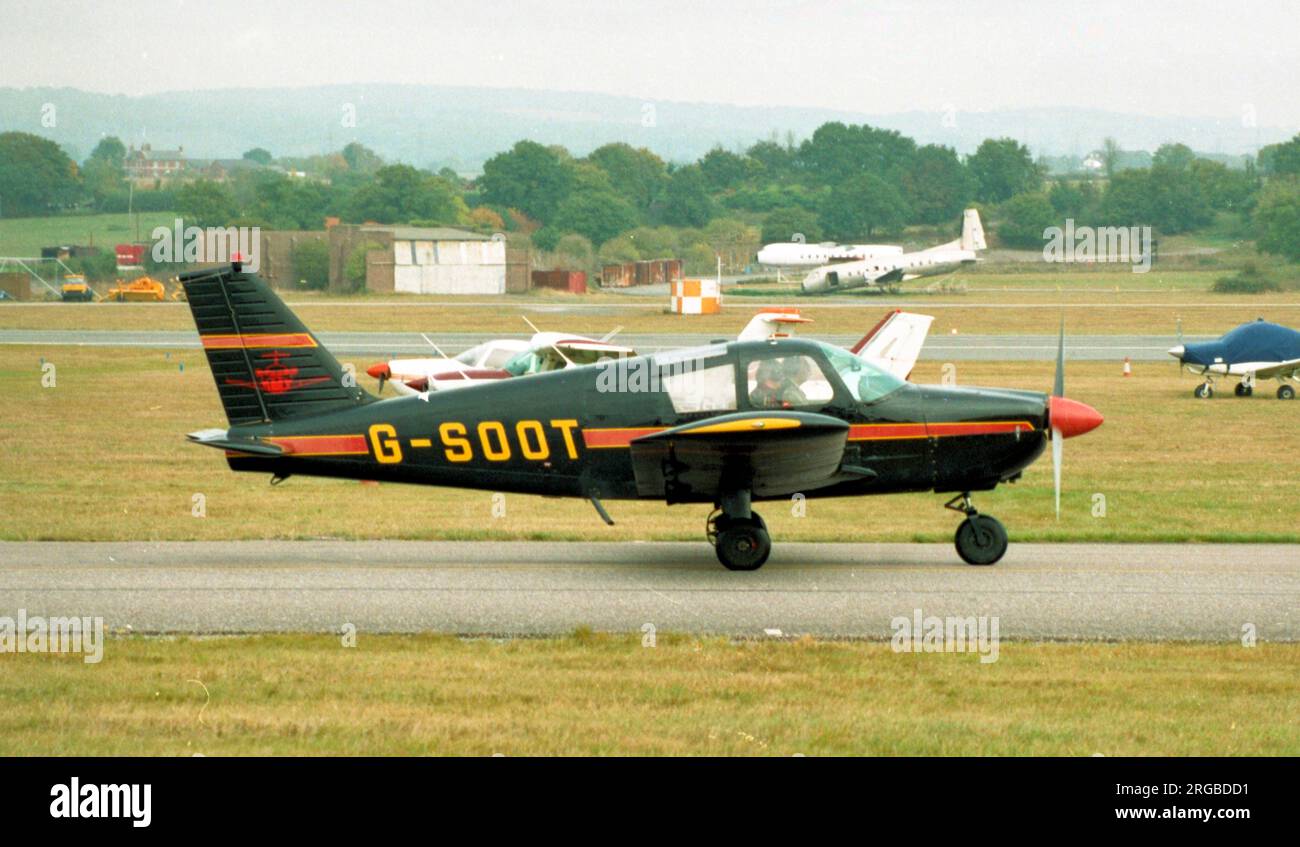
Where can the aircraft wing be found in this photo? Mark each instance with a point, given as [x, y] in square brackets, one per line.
[772, 454]
[588, 346]
[895, 343]
[1288, 368]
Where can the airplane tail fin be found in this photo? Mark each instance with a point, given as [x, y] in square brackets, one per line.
[972, 231]
[895, 343]
[267, 365]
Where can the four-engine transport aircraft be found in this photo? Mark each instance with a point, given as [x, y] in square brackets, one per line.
[1252, 351]
[727, 424]
[890, 269]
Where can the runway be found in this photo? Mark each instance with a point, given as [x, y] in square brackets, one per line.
[941, 348]
[1039, 591]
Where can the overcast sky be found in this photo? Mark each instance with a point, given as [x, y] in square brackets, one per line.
[1191, 58]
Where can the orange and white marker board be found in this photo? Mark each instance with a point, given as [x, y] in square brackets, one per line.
[696, 297]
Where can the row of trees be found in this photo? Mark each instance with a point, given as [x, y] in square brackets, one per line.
[1178, 193]
[845, 183]
[842, 183]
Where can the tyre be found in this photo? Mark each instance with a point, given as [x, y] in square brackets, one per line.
[1285, 392]
[981, 540]
[743, 545]
[1204, 391]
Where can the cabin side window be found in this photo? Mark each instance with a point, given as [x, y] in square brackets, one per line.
[787, 382]
[693, 389]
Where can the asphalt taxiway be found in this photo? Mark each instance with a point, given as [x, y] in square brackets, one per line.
[940, 348]
[1039, 591]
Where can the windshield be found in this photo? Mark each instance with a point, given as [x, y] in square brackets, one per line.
[470, 356]
[526, 362]
[865, 381]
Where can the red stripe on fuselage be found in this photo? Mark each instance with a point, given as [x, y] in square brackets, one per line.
[873, 432]
[596, 438]
[322, 445]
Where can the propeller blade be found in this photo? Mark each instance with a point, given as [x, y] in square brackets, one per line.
[1058, 387]
[1058, 443]
[1058, 440]
[1179, 325]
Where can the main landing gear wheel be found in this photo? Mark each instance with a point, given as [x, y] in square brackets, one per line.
[980, 539]
[1204, 391]
[742, 543]
[1285, 392]
[1243, 390]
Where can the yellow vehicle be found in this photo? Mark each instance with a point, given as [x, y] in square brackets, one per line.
[75, 289]
[143, 290]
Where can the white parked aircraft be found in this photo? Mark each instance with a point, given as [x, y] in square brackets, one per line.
[796, 254]
[886, 270]
[484, 361]
[500, 358]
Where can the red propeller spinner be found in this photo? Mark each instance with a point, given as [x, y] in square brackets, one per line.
[1071, 418]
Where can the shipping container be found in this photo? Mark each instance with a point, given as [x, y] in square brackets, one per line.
[574, 282]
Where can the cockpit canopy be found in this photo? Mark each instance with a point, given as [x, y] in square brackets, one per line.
[801, 374]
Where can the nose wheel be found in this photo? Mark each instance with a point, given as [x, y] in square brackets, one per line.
[980, 539]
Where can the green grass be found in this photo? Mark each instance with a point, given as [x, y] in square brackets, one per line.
[594, 694]
[102, 456]
[26, 236]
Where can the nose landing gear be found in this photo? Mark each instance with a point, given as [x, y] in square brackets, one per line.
[980, 539]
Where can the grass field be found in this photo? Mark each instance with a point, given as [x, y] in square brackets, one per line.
[26, 236]
[102, 456]
[593, 694]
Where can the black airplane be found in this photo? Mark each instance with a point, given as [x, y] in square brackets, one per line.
[727, 424]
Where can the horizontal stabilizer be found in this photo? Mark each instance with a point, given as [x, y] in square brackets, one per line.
[221, 439]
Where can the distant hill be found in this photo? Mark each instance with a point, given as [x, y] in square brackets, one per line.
[461, 127]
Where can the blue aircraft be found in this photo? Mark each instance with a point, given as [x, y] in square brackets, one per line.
[1252, 351]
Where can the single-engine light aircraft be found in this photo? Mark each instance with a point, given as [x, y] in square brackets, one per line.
[727, 424]
[1252, 351]
[501, 358]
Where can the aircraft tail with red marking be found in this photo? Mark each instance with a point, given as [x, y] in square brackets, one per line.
[268, 366]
